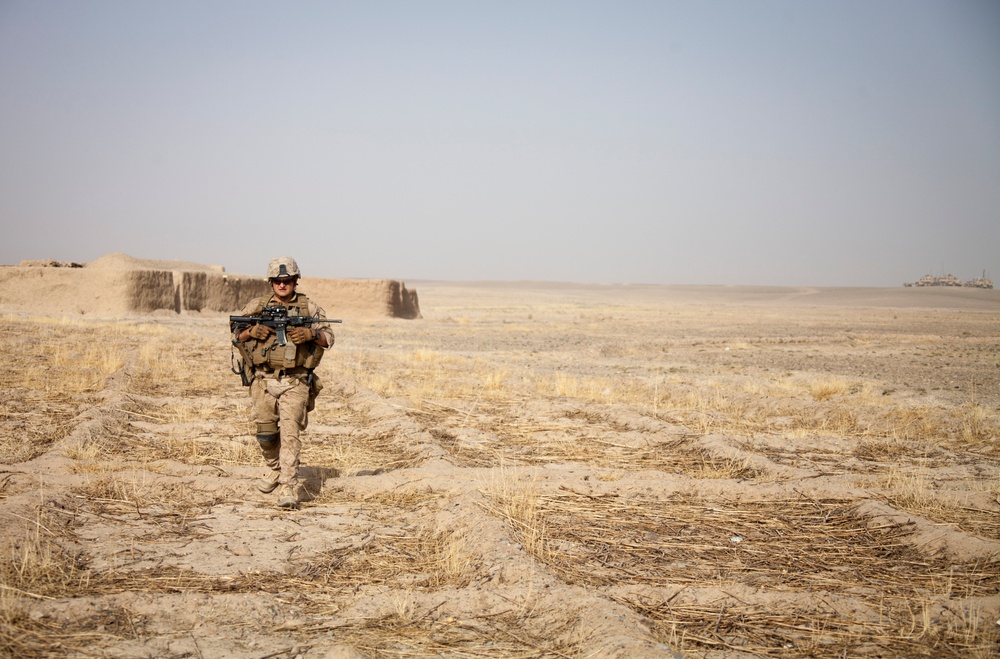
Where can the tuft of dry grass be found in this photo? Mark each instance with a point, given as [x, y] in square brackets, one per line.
[514, 499]
[85, 370]
[914, 490]
[23, 636]
[419, 559]
[826, 388]
[408, 629]
[199, 370]
[34, 563]
[364, 450]
[976, 425]
[132, 489]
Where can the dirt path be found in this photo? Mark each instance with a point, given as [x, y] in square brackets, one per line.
[545, 475]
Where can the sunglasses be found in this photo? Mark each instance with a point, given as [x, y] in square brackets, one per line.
[283, 282]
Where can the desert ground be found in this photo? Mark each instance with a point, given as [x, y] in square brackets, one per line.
[530, 470]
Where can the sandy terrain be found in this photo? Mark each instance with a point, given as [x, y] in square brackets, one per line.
[528, 471]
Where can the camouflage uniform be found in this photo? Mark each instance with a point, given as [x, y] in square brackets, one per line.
[282, 397]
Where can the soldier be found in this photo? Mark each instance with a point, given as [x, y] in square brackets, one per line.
[283, 387]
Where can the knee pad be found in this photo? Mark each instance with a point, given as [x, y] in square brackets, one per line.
[267, 435]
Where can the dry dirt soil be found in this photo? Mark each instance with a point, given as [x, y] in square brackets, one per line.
[528, 471]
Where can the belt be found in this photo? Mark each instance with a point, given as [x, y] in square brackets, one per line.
[297, 372]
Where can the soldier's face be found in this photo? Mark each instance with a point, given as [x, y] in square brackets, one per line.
[283, 287]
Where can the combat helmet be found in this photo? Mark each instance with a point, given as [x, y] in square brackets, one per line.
[283, 266]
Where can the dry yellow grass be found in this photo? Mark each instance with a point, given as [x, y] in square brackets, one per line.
[582, 426]
[748, 404]
[514, 499]
[33, 562]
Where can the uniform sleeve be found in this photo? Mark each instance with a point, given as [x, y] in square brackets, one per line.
[317, 311]
[247, 310]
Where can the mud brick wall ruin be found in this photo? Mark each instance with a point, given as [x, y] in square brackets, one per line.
[119, 284]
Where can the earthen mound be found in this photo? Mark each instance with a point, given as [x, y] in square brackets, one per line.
[119, 261]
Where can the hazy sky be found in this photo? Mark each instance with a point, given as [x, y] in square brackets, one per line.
[850, 142]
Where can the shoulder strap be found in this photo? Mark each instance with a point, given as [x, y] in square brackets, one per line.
[259, 304]
[301, 303]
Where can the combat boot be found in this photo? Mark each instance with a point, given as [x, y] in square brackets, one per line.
[269, 482]
[288, 496]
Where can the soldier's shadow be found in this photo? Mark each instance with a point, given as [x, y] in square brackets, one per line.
[314, 478]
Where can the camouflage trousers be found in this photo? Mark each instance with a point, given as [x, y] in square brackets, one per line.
[287, 402]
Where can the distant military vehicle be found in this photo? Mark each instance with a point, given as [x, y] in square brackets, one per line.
[952, 280]
[944, 280]
[980, 282]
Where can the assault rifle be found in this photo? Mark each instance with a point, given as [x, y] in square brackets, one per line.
[277, 318]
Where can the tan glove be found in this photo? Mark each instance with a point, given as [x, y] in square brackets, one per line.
[301, 335]
[261, 332]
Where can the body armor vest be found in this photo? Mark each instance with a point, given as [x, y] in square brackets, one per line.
[269, 354]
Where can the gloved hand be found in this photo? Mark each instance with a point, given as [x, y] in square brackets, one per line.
[301, 335]
[261, 332]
